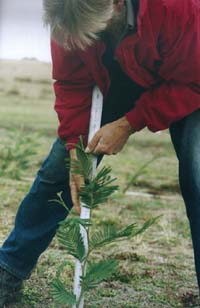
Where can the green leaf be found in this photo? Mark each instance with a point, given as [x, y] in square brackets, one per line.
[83, 164]
[98, 272]
[72, 240]
[98, 189]
[127, 231]
[62, 296]
[109, 234]
[146, 225]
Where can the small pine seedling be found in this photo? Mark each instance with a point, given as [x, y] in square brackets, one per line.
[94, 192]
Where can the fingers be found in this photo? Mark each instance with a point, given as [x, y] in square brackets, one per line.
[102, 147]
[76, 182]
[111, 138]
[105, 141]
[93, 143]
[75, 198]
[97, 146]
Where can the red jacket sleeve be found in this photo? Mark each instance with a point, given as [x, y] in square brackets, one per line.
[73, 92]
[178, 43]
[160, 107]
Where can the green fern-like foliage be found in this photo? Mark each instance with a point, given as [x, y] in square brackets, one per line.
[98, 190]
[61, 295]
[145, 226]
[108, 234]
[83, 164]
[94, 192]
[71, 239]
[97, 272]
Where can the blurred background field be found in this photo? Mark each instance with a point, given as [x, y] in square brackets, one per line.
[156, 269]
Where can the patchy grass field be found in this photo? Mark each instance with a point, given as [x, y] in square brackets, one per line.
[156, 269]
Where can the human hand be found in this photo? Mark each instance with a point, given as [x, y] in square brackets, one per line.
[111, 138]
[76, 181]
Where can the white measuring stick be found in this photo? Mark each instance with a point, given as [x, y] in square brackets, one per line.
[95, 123]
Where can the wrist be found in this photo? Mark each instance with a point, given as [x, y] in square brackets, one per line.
[126, 125]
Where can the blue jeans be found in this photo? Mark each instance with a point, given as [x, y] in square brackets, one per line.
[185, 135]
[37, 218]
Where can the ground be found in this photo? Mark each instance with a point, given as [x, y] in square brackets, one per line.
[156, 269]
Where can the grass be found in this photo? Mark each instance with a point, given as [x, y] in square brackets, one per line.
[156, 269]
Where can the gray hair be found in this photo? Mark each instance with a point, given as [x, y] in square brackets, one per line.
[76, 23]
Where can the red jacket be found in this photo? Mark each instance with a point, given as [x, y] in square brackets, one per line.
[163, 56]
